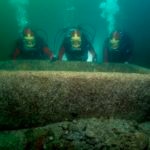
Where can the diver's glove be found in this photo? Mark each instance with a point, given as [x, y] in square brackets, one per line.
[126, 62]
[54, 58]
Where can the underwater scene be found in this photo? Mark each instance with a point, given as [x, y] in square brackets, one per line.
[74, 75]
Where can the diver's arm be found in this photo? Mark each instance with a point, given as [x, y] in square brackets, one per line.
[17, 49]
[45, 47]
[16, 53]
[48, 52]
[61, 53]
[105, 55]
[105, 51]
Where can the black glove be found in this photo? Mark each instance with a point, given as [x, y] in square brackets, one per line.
[54, 59]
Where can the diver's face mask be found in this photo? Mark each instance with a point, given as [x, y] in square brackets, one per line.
[115, 41]
[29, 41]
[76, 39]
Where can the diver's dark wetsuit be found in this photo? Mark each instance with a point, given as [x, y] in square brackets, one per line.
[120, 54]
[36, 52]
[76, 54]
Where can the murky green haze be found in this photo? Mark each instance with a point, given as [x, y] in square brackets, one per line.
[50, 16]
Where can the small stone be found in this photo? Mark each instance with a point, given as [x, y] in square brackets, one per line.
[74, 121]
[51, 138]
[92, 141]
[90, 134]
[64, 126]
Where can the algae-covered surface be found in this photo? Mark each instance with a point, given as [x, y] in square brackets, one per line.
[74, 105]
[83, 134]
[71, 66]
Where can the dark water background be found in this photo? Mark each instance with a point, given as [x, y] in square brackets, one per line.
[49, 15]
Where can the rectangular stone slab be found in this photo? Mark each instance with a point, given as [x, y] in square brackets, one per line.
[35, 98]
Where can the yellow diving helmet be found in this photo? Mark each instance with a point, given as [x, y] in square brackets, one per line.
[115, 40]
[76, 39]
[29, 38]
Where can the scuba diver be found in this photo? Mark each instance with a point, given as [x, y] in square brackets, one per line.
[31, 46]
[76, 46]
[117, 48]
